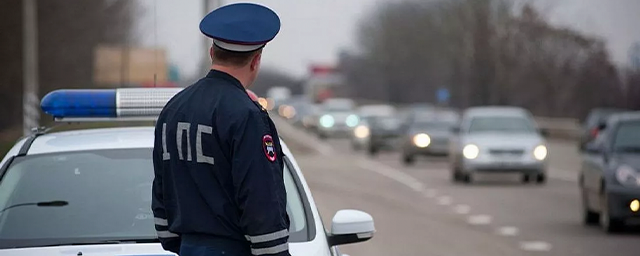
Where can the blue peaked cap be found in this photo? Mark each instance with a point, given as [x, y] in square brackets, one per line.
[242, 27]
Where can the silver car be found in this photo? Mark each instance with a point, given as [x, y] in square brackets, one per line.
[337, 118]
[498, 140]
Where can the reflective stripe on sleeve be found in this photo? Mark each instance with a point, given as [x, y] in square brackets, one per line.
[160, 221]
[269, 237]
[166, 234]
[271, 250]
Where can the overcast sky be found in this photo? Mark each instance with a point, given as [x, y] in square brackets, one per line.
[314, 31]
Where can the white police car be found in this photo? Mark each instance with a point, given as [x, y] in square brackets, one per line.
[88, 192]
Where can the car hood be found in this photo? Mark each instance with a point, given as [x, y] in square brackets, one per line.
[134, 250]
[503, 140]
[630, 159]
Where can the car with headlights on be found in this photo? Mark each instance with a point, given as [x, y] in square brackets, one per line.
[498, 139]
[88, 191]
[337, 118]
[360, 135]
[610, 174]
[428, 134]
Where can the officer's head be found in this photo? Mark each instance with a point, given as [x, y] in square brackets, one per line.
[239, 33]
[246, 63]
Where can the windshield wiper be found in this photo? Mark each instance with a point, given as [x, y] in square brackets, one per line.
[135, 241]
[58, 203]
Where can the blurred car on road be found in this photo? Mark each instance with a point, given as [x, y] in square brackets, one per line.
[337, 118]
[428, 134]
[294, 109]
[360, 135]
[498, 139]
[595, 120]
[384, 132]
[610, 174]
[89, 190]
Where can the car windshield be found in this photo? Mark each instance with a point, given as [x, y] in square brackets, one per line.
[509, 124]
[627, 137]
[433, 125]
[389, 122]
[339, 105]
[105, 194]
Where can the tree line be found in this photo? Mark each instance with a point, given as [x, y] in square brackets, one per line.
[485, 52]
[68, 31]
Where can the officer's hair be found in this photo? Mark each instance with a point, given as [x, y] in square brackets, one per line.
[237, 59]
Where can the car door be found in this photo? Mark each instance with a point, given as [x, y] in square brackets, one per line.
[593, 167]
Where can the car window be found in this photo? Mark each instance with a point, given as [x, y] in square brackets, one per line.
[108, 194]
[627, 138]
[434, 125]
[501, 124]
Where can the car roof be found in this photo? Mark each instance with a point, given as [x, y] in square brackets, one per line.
[495, 111]
[95, 139]
[626, 116]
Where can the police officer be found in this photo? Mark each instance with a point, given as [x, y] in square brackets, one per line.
[218, 187]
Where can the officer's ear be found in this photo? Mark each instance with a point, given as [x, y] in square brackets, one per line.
[255, 61]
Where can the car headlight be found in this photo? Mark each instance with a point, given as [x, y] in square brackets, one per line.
[470, 151]
[361, 132]
[627, 176]
[352, 120]
[540, 152]
[327, 121]
[421, 140]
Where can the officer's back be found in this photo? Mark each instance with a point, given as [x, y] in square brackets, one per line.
[218, 186]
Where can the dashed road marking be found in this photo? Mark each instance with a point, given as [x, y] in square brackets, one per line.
[508, 231]
[535, 246]
[393, 174]
[479, 220]
[462, 209]
[444, 200]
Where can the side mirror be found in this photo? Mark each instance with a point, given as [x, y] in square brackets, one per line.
[602, 126]
[544, 132]
[351, 226]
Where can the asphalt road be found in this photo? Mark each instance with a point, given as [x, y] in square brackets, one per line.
[418, 211]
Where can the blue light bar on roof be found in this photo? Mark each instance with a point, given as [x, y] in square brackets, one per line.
[107, 104]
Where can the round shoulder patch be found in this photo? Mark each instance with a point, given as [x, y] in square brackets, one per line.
[269, 147]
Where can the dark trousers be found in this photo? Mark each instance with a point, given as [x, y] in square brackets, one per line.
[202, 245]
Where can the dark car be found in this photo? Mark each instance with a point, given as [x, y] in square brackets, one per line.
[428, 136]
[384, 132]
[592, 124]
[610, 174]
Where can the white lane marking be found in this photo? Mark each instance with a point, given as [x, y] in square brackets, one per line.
[393, 174]
[462, 209]
[508, 231]
[431, 193]
[479, 220]
[535, 246]
[444, 200]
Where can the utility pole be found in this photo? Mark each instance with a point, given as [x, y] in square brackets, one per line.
[208, 6]
[31, 114]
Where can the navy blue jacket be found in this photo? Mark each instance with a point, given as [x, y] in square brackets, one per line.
[218, 170]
